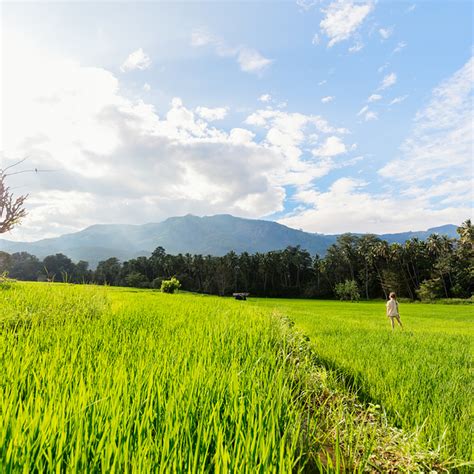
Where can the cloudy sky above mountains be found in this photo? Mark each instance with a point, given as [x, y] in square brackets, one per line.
[329, 116]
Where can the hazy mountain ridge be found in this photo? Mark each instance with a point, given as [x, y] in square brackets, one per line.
[214, 235]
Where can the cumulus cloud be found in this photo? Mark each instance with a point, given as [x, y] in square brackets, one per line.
[342, 18]
[289, 134]
[327, 99]
[249, 59]
[212, 114]
[348, 207]
[331, 147]
[136, 60]
[117, 159]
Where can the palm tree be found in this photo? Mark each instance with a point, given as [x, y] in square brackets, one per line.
[466, 233]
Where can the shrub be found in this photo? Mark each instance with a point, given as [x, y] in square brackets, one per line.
[5, 282]
[347, 291]
[170, 286]
[430, 290]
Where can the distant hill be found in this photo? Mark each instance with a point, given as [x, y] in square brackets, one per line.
[214, 235]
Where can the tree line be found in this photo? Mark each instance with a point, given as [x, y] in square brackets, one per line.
[436, 267]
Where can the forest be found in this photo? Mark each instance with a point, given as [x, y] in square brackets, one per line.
[366, 266]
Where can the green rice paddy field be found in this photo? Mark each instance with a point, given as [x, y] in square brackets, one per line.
[421, 376]
[97, 379]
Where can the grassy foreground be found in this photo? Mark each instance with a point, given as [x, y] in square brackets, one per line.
[422, 376]
[114, 380]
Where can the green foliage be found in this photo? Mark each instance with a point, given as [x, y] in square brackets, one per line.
[347, 291]
[420, 376]
[170, 286]
[376, 266]
[5, 282]
[108, 272]
[430, 290]
[136, 280]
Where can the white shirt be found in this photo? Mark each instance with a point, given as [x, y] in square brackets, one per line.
[392, 307]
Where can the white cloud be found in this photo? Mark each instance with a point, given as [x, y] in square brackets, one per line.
[439, 149]
[410, 8]
[249, 59]
[321, 83]
[331, 147]
[374, 98]
[327, 99]
[385, 33]
[212, 114]
[358, 46]
[370, 115]
[146, 87]
[348, 207]
[367, 114]
[400, 45]
[241, 136]
[343, 18]
[399, 99]
[201, 37]
[116, 159]
[265, 98]
[383, 67]
[388, 81]
[290, 133]
[306, 4]
[136, 60]
[316, 39]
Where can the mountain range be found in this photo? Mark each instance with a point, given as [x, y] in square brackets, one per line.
[213, 235]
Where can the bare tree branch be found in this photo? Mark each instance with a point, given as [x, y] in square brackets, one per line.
[12, 209]
[19, 162]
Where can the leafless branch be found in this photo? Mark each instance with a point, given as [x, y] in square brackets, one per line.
[12, 209]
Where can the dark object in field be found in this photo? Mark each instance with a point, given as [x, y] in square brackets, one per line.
[240, 296]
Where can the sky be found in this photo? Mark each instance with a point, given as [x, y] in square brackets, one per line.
[327, 116]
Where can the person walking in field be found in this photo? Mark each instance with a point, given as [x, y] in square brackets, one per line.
[392, 310]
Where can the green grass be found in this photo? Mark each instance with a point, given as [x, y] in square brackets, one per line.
[96, 379]
[144, 381]
[422, 376]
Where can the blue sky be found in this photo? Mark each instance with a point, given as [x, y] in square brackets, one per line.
[326, 116]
